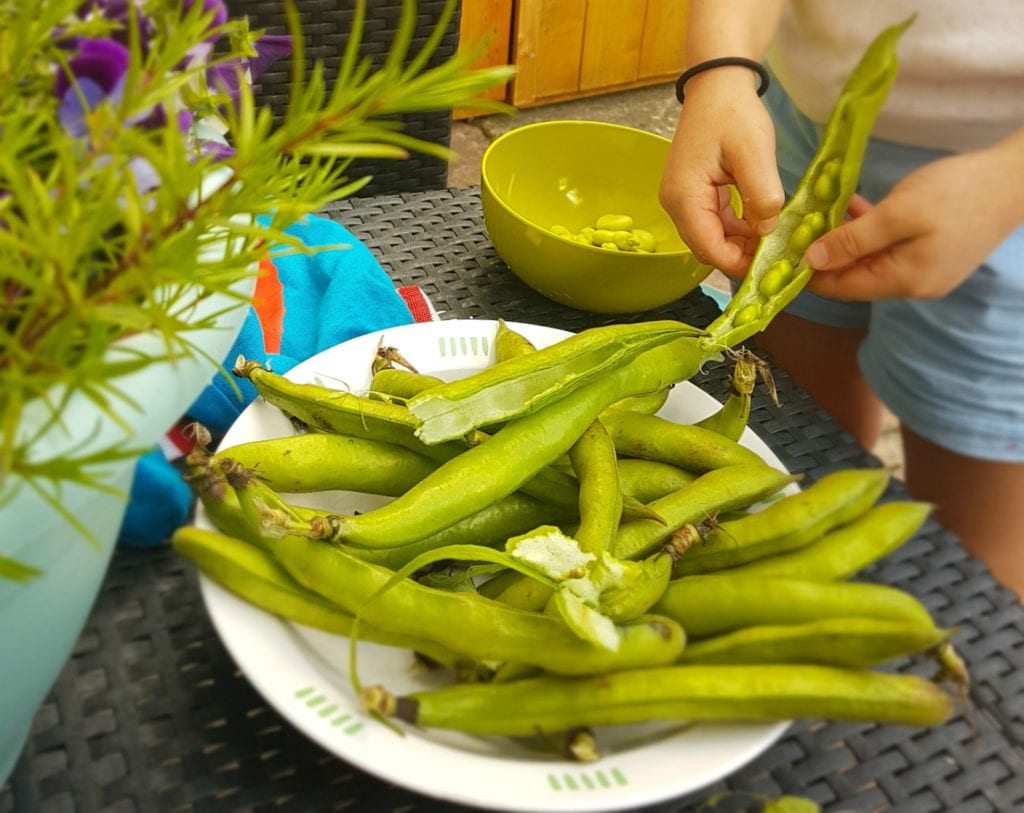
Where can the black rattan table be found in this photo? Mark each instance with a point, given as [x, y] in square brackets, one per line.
[151, 714]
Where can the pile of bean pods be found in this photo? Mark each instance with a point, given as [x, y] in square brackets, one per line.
[570, 556]
[618, 577]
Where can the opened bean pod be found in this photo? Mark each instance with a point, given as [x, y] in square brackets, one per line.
[778, 271]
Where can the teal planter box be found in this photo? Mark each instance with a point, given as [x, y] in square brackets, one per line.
[41, 618]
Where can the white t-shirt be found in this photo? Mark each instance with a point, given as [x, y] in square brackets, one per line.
[960, 84]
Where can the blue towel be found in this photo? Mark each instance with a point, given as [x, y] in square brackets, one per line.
[329, 296]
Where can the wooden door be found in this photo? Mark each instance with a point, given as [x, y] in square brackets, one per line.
[565, 49]
[486, 26]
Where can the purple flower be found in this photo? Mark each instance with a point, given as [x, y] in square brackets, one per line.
[201, 50]
[220, 11]
[269, 48]
[97, 74]
[117, 11]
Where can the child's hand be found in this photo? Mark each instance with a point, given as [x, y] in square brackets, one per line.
[724, 136]
[929, 233]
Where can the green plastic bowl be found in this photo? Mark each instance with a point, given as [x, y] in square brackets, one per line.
[569, 173]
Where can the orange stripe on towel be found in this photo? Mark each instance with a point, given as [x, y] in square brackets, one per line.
[268, 302]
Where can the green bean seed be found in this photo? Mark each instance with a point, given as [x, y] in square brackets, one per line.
[826, 186]
[748, 314]
[614, 222]
[777, 277]
[643, 240]
[623, 240]
[809, 230]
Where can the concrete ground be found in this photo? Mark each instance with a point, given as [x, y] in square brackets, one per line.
[652, 108]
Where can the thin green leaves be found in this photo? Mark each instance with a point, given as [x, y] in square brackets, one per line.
[90, 255]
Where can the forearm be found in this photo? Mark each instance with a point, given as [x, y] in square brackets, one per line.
[717, 28]
[1008, 156]
[728, 28]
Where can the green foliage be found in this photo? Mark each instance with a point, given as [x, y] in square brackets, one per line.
[89, 256]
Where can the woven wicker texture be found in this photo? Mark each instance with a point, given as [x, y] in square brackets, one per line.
[150, 713]
[326, 25]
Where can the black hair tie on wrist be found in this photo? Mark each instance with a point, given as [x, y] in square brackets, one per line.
[722, 61]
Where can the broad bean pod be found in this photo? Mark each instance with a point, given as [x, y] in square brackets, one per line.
[787, 524]
[519, 386]
[341, 412]
[648, 403]
[854, 642]
[511, 515]
[345, 413]
[846, 551]
[521, 592]
[492, 526]
[594, 460]
[643, 583]
[731, 419]
[723, 489]
[463, 622]
[687, 446]
[394, 382]
[252, 574]
[325, 462]
[484, 473]
[510, 344]
[647, 480]
[551, 705]
[778, 271]
[717, 603]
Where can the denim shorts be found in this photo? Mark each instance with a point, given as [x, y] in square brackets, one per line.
[952, 370]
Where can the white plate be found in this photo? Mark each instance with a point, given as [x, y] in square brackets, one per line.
[303, 673]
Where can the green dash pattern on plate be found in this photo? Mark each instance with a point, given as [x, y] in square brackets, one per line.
[333, 713]
[463, 346]
[587, 780]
